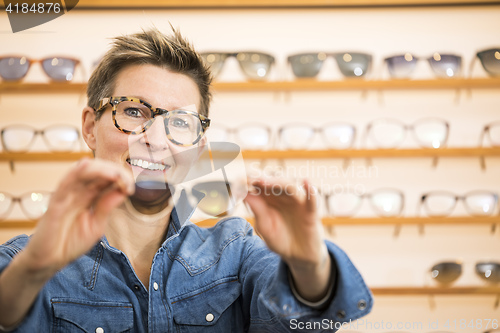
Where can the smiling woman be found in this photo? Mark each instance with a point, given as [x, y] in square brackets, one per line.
[96, 264]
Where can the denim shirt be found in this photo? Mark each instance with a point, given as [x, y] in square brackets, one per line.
[220, 279]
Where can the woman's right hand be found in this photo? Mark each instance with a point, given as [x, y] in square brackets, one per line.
[77, 215]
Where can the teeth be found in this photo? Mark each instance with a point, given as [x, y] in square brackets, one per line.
[147, 165]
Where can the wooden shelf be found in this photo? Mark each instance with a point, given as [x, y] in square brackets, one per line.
[194, 4]
[408, 291]
[285, 154]
[296, 85]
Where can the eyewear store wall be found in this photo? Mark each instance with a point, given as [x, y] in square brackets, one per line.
[384, 206]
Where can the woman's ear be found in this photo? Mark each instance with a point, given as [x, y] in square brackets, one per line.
[88, 126]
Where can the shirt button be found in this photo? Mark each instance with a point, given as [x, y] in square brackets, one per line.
[341, 314]
[99, 330]
[209, 317]
[362, 304]
[136, 287]
[155, 286]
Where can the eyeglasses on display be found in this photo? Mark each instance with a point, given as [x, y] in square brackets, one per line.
[335, 135]
[491, 131]
[251, 136]
[132, 115]
[448, 272]
[443, 65]
[58, 68]
[58, 138]
[390, 133]
[488, 271]
[350, 64]
[442, 203]
[33, 204]
[255, 65]
[490, 60]
[384, 202]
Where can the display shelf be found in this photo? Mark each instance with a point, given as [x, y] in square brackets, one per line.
[296, 85]
[285, 154]
[219, 4]
[408, 291]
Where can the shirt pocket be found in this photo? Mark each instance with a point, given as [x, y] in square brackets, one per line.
[212, 308]
[74, 315]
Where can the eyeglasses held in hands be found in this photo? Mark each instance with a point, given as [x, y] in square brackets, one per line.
[58, 68]
[443, 65]
[255, 65]
[132, 115]
[33, 204]
[58, 138]
[351, 64]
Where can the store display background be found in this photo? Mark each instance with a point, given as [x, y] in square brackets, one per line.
[383, 260]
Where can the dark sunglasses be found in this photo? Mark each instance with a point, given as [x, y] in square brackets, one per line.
[443, 65]
[13, 68]
[351, 64]
[490, 59]
[255, 65]
[447, 272]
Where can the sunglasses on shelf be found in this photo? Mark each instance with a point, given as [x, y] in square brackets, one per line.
[448, 272]
[391, 133]
[58, 138]
[384, 202]
[443, 65]
[255, 65]
[58, 68]
[248, 136]
[350, 64]
[442, 203]
[490, 60]
[298, 136]
[33, 204]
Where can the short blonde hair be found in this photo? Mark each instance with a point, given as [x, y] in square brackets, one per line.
[149, 47]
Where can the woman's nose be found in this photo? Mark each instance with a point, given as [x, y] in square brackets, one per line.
[156, 136]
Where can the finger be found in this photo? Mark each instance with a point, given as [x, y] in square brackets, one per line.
[260, 211]
[91, 170]
[311, 196]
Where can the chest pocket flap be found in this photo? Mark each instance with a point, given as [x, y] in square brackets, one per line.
[207, 305]
[74, 315]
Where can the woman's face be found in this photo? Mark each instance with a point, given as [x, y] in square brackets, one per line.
[162, 160]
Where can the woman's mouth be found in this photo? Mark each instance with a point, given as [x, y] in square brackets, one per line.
[147, 165]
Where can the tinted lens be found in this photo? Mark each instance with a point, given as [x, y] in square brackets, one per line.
[253, 137]
[5, 204]
[353, 64]
[431, 133]
[401, 66]
[490, 271]
[17, 138]
[480, 203]
[494, 133]
[387, 202]
[339, 136]
[490, 59]
[217, 199]
[343, 204]
[387, 133]
[439, 203]
[215, 61]
[35, 204]
[59, 69]
[14, 68]
[296, 136]
[445, 65]
[306, 64]
[446, 272]
[255, 65]
[61, 138]
[183, 127]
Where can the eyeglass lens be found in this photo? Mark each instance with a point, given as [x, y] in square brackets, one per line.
[443, 203]
[384, 202]
[350, 64]
[57, 68]
[183, 127]
[255, 65]
[490, 59]
[443, 65]
[33, 204]
[446, 272]
[217, 199]
[20, 138]
[494, 134]
[335, 136]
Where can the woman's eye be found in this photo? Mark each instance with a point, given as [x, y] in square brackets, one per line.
[132, 112]
[180, 123]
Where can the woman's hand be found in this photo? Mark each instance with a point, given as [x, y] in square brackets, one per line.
[77, 214]
[286, 218]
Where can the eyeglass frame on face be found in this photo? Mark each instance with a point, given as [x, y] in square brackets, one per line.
[114, 101]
